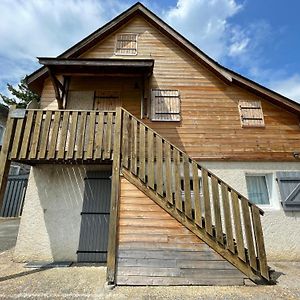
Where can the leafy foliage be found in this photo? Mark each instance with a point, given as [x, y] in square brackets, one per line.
[22, 95]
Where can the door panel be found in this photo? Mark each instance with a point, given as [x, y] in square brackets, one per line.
[95, 218]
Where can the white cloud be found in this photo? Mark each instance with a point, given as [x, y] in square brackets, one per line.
[289, 86]
[206, 24]
[34, 28]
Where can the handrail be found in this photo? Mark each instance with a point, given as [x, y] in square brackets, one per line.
[217, 209]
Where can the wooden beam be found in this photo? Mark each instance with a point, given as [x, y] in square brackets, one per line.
[4, 155]
[56, 87]
[114, 205]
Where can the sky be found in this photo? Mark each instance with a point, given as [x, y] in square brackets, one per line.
[259, 39]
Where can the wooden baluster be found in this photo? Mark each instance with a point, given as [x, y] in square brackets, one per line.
[99, 136]
[81, 135]
[36, 135]
[17, 139]
[63, 135]
[54, 134]
[133, 158]
[261, 253]
[91, 136]
[187, 187]
[108, 134]
[169, 173]
[73, 131]
[196, 189]
[125, 146]
[159, 166]
[26, 136]
[177, 173]
[248, 233]
[206, 198]
[238, 226]
[142, 162]
[227, 218]
[217, 211]
[150, 163]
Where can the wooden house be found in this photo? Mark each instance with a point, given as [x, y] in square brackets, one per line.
[150, 157]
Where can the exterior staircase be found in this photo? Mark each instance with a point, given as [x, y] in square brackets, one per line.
[224, 219]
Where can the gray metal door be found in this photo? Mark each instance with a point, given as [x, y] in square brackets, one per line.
[95, 218]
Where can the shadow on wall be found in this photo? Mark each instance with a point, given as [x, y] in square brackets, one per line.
[60, 191]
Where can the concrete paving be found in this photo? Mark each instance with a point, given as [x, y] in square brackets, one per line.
[18, 282]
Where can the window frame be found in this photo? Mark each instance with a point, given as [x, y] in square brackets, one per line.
[240, 107]
[152, 107]
[271, 188]
[116, 53]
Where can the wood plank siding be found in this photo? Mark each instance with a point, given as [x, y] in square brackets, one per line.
[210, 126]
[155, 249]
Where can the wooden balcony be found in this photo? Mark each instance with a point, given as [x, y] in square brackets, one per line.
[41, 136]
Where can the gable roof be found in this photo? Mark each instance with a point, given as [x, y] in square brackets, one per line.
[36, 79]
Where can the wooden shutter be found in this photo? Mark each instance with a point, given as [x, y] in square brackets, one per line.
[126, 44]
[289, 186]
[106, 100]
[165, 105]
[251, 114]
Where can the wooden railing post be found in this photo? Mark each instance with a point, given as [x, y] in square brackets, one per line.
[4, 159]
[114, 206]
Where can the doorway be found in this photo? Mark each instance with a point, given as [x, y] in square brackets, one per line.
[94, 227]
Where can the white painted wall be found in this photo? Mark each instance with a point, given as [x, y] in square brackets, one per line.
[50, 223]
[281, 229]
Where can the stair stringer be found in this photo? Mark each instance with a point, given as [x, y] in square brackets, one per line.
[199, 232]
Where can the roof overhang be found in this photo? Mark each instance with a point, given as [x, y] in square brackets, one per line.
[65, 66]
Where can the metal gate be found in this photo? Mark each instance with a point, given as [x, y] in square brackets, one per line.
[14, 196]
[95, 218]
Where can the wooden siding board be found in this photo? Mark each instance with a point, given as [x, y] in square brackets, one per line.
[154, 245]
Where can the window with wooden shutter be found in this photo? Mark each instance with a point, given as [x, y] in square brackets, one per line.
[251, 114]
[126, 44]
[289, 186]
[165, 105]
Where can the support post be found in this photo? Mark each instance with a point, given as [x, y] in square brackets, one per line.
[58, 88]
[4, 159]
[114, 206]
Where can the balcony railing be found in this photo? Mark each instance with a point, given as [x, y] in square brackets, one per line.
[42, 135]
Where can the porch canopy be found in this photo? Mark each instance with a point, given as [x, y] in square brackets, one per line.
[92, 67]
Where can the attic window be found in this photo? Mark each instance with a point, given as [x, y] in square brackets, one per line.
[251, 114]
[126, 44]
[165, 105]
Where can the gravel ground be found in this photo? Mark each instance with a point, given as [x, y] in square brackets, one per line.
[17, 282]
[82, 282]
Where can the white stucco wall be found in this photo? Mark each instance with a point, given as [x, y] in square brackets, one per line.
[50, 223]
[281, 229]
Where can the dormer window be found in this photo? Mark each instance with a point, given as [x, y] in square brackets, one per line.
[126, 44]
[251, 114]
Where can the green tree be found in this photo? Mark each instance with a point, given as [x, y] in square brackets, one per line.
[22, 95]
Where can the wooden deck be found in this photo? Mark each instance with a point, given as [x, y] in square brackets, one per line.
[216, 213]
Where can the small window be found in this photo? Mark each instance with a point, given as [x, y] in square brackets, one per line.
[251, 114]
[257, 189]
[126, 44]
[1, 134]
[14, 170]
[165, 105]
